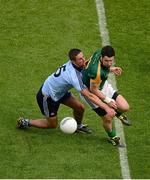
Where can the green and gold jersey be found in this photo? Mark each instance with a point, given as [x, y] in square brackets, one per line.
[95, 71]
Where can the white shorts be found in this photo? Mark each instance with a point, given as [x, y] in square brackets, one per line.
[107, 90]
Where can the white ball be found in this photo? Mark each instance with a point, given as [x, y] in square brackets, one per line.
[68, 125]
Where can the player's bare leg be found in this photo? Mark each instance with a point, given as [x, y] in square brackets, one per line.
[123, 106]
[107, 123]
[49, 122]
[78, 113]
[108, 126]
[78, 108]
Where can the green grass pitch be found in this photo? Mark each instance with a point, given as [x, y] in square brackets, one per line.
[35, 37]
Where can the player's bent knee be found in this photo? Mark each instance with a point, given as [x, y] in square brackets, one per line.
[125, 108]
[52, 126]
[52, 122]
[107, 118]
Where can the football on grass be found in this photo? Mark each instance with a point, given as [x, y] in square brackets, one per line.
[68, 125]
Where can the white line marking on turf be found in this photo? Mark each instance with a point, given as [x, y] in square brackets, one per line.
[119, 127]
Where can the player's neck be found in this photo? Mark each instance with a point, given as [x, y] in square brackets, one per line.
[76, 67]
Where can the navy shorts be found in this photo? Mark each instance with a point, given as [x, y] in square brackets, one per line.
[47, 105]
[102, 112]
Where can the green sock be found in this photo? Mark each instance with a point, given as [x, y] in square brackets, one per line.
[111, 133]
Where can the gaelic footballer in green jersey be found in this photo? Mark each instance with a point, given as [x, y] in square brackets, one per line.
[95, 78]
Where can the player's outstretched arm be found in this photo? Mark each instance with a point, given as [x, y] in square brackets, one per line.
[93, 98]
[94, 88]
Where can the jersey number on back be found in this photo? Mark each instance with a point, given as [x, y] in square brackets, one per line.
[59, 70]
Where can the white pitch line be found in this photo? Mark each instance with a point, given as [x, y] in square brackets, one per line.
[119, 127]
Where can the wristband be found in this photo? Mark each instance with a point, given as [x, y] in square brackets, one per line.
[107, 100]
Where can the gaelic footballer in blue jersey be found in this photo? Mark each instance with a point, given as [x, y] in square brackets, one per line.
[55, 91]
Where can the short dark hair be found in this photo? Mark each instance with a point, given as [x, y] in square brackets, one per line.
[73, 53]
[108, 51]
